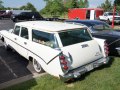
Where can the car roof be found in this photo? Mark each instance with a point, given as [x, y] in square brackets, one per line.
[87, 22]
[49, 26]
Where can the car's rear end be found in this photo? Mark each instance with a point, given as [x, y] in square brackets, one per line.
[80, 53]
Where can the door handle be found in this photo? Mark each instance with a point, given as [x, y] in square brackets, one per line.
[15, 38]
[25, 43]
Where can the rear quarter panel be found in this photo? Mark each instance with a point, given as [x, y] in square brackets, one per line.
[47, 57]
[101, 43]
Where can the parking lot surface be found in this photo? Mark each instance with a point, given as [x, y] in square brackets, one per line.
[12, 65]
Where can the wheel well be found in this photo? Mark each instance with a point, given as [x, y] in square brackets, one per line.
[30, 58]
[2, 39]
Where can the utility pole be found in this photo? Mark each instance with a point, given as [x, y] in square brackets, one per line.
[114, 10]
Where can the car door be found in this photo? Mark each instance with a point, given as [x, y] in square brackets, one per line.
[105, 16]
[14, 38]
[23, 41]
[22, 16]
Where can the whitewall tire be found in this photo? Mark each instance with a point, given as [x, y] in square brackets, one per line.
[37, 66]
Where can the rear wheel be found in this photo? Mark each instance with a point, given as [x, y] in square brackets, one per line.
[108, 21]
[37, 66]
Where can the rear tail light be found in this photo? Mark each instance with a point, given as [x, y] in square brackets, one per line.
[63, 62]
[106, 48]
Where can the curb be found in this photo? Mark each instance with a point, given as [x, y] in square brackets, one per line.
[20, 80]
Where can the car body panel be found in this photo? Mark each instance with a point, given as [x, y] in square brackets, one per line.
[79, 53]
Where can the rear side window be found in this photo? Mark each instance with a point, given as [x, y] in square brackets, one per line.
[44, 38]
[24, 33]
[101, 27]
[74, 36]
[17, 30]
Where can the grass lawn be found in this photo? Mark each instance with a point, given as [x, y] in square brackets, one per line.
[106, 77]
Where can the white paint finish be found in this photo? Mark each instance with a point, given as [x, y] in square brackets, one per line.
[81, 56]
[101, 42]
[92, 14]
[48, 26]
[45, 55]
[105, 16]
[45, 52]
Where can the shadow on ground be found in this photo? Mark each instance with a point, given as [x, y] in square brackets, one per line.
[13, 66]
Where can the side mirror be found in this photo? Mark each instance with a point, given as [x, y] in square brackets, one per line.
[11, 30]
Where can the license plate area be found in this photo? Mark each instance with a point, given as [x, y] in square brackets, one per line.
[89, 67]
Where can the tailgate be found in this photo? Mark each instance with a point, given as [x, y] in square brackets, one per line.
[82, 53]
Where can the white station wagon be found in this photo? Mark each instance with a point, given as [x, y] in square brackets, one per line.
[63, 50]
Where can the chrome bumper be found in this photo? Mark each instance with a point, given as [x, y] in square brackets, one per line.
[83, 69]
[116, 21]
[118, 50]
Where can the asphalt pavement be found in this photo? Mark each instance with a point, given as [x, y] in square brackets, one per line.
[12, 65]
[6, 24]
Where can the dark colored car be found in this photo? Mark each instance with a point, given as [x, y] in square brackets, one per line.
[4, 14]
[100, 29]
[27, 16]
[1, 12]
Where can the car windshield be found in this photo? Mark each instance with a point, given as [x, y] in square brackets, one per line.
[112, 13]
[74, 36]
[101, 27]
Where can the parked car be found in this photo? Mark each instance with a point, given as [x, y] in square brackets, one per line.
[6, 15]
[102, 30]
[1, 12]
[27, 16]
[63, 50]
[108, 17]
[9, 13]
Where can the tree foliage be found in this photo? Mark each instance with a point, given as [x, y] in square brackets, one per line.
[83, 3]
[53, 7]
[1, 6]
[71, 4]
[29, 6]
[62, 6]
[117, 3]
[107, 6]
[77, 4]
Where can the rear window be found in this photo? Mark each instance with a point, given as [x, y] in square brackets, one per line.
[74, 36]
[44, 38]
[102, 27]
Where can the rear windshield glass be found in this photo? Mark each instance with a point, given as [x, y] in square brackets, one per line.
[102, 27]
[112, 13]
[74, 36]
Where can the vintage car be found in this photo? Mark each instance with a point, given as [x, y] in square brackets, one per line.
[100, 29]
[63, 50]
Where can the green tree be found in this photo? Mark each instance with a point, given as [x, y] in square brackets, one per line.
[86, 3]
[83, 3]
[29, 6]
[53, 7]
[71, 4]
[107, 6]
[117, 3]
[77, 4]
[1, 6]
